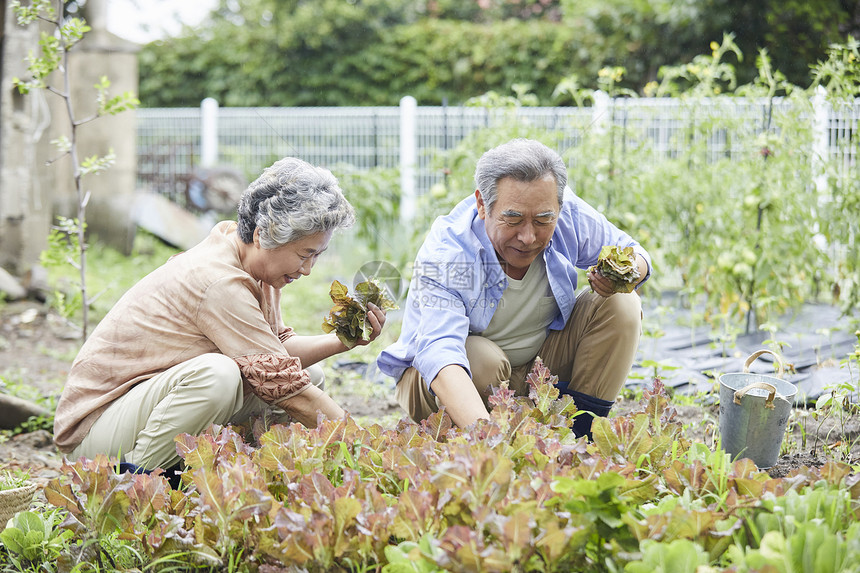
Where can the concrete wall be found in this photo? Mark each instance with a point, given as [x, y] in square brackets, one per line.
[108, 212]
[25, 199]
[32, 192]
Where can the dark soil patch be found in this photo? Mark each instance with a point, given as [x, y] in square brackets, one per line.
[35, 346]
[808, 442]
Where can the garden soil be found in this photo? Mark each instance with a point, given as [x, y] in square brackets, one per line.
[36, 349]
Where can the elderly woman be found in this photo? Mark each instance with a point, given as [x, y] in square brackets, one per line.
[200, 340]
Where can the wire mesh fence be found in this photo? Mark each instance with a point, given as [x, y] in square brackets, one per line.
[359, 138]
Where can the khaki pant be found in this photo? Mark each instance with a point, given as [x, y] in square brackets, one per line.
[139, 427]
[594, 351]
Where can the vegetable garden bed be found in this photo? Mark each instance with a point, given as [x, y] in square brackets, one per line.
[519, 493]
[516, 493]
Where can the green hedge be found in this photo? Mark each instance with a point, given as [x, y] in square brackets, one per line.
[430, 60]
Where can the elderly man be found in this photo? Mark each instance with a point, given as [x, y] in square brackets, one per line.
[494, 286]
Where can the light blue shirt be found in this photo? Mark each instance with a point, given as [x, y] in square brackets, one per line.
[457, 282]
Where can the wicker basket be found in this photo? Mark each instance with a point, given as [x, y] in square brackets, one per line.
[14, 500]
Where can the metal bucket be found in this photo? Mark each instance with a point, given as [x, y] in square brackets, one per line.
[754, 411]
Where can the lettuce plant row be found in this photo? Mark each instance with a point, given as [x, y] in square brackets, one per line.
[518, 492]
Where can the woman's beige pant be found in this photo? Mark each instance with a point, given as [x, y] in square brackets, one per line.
[594, 351]
[140, 427]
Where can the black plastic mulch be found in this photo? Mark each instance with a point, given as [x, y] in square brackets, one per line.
[815, 341]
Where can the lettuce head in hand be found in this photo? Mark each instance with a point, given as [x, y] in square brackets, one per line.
[619, 266]
[348, 316]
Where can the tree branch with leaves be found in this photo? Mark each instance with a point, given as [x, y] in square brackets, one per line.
[50, 71]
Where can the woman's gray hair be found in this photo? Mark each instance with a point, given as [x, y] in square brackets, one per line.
[522, 160]
[291, 200]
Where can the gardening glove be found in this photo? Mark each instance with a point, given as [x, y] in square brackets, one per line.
[590, 405]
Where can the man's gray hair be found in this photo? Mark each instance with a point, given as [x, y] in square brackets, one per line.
[291, 200]
[522, 160]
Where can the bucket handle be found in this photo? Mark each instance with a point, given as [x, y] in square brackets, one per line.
[757, 353]
[771, 392]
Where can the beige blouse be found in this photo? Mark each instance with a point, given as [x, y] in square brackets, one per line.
[200, 301]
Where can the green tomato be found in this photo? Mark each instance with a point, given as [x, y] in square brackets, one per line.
[742, 270]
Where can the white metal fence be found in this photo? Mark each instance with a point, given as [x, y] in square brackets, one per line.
[171, 144]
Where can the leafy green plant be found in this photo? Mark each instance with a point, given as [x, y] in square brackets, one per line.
[348, 316]
[658, 368]
[812, 547]
[34, 540]
[838, 402]
[412, 557]
[718, 219]
[836, 77]
[375, 195]
[54, 58]
[12, 479]
[516, 492]
[34, 423]
[63, 249]
[677, 556]
[99, 504]
[619, 266]
[787, 514]
[707, 75]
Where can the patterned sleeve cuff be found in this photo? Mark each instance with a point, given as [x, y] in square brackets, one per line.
[273, 377]
[286, 333]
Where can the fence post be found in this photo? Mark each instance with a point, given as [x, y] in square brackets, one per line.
[820, 140]
[408, 157]
[600, 113]
[208, 132]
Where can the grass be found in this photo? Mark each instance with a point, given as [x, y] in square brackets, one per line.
[13, 479]
[109, 273]
[13, 381]
[63, 355]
